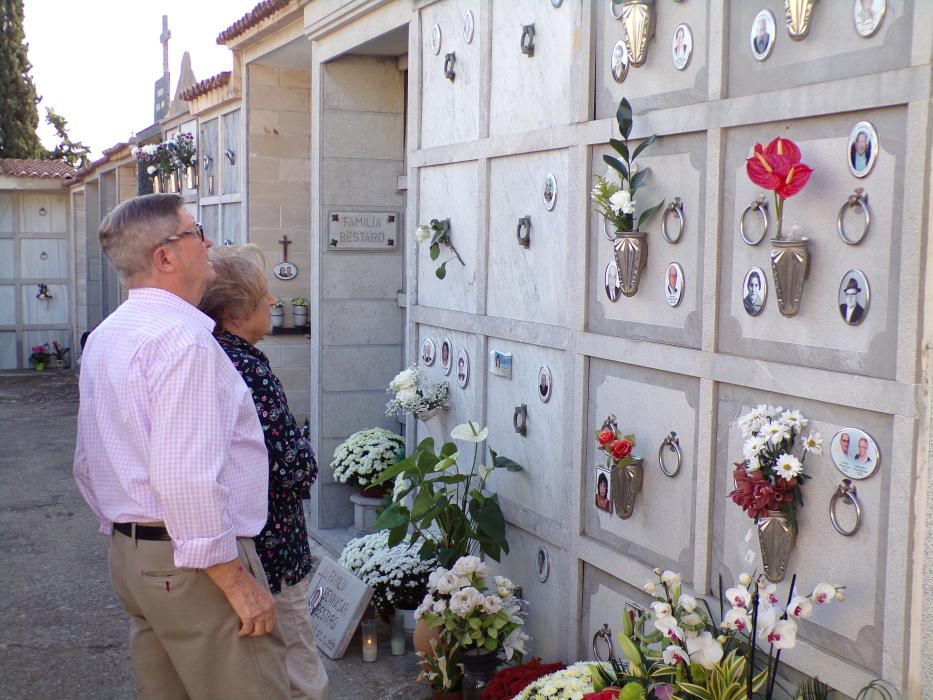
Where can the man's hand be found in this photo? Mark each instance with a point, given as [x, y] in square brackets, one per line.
[254, 605]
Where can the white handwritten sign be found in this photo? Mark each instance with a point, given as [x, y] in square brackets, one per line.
[362, 230]
[342, 605]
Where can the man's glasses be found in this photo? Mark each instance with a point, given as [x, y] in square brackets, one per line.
[198, 231]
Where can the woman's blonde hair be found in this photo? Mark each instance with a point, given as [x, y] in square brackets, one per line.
[240, 285]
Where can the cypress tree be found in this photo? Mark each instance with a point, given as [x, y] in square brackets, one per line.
[19, 114]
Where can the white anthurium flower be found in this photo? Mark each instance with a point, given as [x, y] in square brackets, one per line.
[776, 432]
[800, 606]
[704, 650]
[674, 654]
[670, 578]
[788, 467]
[423, 234]
[737, 619]
[738, 596]
[661, 609]
[669, 628]
[622, 203]
[823, 593]
[469, 432]
[687, 602]
[795, 419]
[783, 635]
[813, 443]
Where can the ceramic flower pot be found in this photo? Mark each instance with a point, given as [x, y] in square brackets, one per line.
[278, 316]
[631, 254]
[790, 266]
[300, 316]
[423, 635]
[776, 537]
[627, 481]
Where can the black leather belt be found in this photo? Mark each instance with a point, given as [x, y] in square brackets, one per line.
[143, 532]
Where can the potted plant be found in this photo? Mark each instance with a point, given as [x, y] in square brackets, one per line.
[277, 311]
[399, 579]
[364, 456]
[39, 357]
[60, 356]
[413, 392]
[769, 478]
[299, 312]
[614, 197]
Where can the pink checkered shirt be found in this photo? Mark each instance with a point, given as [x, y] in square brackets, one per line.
[168, 431]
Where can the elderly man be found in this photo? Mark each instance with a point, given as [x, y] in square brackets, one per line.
[171, 458]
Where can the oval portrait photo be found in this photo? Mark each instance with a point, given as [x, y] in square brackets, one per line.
[754, 291]
[618, 64]
[427, 352]
[762, 35]
[682, 46]
[463, 369]
[863, 148]
[446, 357]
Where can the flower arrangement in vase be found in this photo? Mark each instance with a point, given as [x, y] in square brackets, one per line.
[570, 683]
[627, 470]
[435, 234]
[398, 576]
[39, 356]
[769, 479]
[414, 392]
[614, 197]
[365, 455]
[777, 167]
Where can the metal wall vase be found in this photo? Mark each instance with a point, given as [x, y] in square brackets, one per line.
[776, 537]
[631, 253]
[790, 265]
[797, 14]
[627, 480]
[638, 27]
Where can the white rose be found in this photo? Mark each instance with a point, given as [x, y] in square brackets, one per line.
[492, 604]
[405, 378]
[423, 233]
[470, 566]
[465, 601]
[622, 202]
[408, 393]
[439, 606]
[447, 583]
[152, 170]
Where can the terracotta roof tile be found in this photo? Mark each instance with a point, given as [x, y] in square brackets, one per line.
[94, 165]
[262, 11]
[205, 86]
[18, 167]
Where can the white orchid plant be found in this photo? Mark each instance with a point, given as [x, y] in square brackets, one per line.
[676, 650]
[614, 194]
[414, 392]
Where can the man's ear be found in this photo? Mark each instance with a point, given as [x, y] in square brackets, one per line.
[163, 260]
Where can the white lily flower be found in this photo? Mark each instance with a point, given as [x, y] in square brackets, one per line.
[788, 467]
[674, 654]
[687, 602]
[823, 593]
[783, 635]
[704, 650]
[469, 432]
[813, 443]
[515, 642]
[799, 606]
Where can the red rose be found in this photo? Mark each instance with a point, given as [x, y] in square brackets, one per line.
[621, 449]
[607, 694]
[605, 437]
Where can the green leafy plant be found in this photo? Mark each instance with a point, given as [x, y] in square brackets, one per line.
[614, 194]
[450, 513]
[279, 304]
[299, 301]
[435, 234]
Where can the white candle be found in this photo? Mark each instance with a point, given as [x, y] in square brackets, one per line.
[370, 651]
[398, 645]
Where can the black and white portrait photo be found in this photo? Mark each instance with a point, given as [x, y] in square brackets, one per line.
[863, 148]
[618, 64]
[544, 384]
[674, 284]
[682, 46]
[446, 357]
[754, 291]
[868, 15]
[611, 281]
[853, 297]
[427, 352]
[550, 192]
[543, 564]
[763, 35]
[463, 369]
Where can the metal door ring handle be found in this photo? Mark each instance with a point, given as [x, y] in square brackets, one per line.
[671, 442]
[847, 492]
[449, 60]
[606, 634]
[523, 231]
[675, 207]
[520, 419]
[760, 205]
[859, 199]
[528, 40]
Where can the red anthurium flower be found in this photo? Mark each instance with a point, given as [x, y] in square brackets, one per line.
[777, 167]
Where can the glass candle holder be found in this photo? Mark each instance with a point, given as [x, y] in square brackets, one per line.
[370, 648]
[398, 633]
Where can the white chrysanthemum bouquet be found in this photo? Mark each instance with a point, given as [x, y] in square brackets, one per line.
[572, 683]
[365, 455]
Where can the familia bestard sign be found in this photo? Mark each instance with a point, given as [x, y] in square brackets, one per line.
[362, 230]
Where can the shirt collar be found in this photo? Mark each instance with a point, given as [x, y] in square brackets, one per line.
[229, 340]
[170, 301]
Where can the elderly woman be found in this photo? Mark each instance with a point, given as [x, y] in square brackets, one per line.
[238, 300]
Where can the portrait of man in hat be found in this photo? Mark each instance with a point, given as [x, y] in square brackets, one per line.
[850, 308]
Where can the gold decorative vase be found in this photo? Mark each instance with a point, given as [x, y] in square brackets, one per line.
[631, 253]
[638, 27]
[776, 537]
[790, 266]
[627, 481]
[797, 14]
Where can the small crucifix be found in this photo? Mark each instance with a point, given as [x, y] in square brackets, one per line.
[285, 243]
[285, 270]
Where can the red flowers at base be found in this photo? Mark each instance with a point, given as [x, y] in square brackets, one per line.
[607, 694]
[510, 681]
[777, 167]
[756, 495]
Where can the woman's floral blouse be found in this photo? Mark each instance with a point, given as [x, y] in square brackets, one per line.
[283, 543]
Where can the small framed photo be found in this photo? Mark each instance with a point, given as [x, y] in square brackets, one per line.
[603, 497]
[436, 39]
[543, 564]
[618, 63]
[854, 297]
[863, 148]
[446, 356]
[674, 284]
[468, 26]
[556, 3]
[868, 15]
[854, 453]
[500, 364]
[762, 35]
[611, 281]
[545, 381]
[427, 352]
[754, 291]
[463, 369]
[682, 46]
[550, 191]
